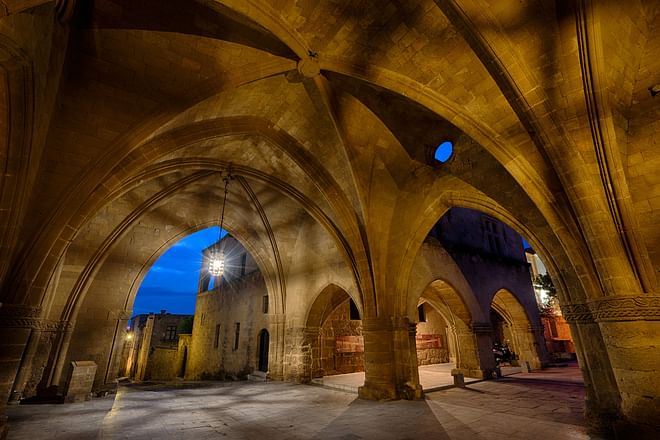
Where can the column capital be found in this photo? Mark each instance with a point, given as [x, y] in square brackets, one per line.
[25, 316]
[614, 308]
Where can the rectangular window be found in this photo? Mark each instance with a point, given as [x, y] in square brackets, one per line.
[354, 313]
[264, 304]
[216, 341]
[237, 335]
[421, 314]
[170, 333]
[553, 328]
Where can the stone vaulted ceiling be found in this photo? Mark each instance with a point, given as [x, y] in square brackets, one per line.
[332, 110]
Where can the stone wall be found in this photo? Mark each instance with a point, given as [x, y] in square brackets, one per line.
[162, 364]
[431, 338]
[342, 346]
[215, 352]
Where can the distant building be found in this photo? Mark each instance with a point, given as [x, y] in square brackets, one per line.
[230, 333]
[152, 351]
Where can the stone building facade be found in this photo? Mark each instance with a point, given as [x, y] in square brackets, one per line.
[118, 119]
[154, 346]
[230, 332]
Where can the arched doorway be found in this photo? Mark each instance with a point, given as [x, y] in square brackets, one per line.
[263, 350]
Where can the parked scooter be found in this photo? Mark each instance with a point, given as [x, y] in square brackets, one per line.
[502, 353]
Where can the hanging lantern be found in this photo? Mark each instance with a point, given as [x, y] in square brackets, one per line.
[217, 263]
[217, 259]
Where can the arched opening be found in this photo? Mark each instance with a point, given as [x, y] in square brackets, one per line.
[470, 255]
[556, 331]
[513, 329]
[446, 339]
[160, 328]
[334, 329]
[263, 350]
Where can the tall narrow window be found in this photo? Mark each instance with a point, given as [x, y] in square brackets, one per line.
[237, 335]
[264, 304]
[243, 263]
[493, 235]
[354, 313]
[421, 314]
[216, 341]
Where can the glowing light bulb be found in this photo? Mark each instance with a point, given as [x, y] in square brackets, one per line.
[217, 264]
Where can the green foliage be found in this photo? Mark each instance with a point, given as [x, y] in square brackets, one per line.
[543, 281]
[186, 325]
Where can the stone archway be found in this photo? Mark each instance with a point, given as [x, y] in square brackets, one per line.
[516, 329]
[333, 335]
[461, 339]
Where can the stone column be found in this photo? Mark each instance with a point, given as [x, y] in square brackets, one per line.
[467, 355]
[276, 349]
[297, 356]
[33, 375]
[390, 360]
[452, 344]
[618, 349]
[312, 336]
[107, 374]
[16, 324]
[483, 335]
[528, 345]
[414, 389]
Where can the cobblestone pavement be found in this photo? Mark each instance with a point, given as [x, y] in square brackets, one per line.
[524, 406]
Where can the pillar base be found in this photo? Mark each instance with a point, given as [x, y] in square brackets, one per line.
[626, 429]
[411, 391]
[489, 373]
[377, 392]
[407, 391]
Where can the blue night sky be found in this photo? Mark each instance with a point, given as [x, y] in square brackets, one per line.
[171, 283]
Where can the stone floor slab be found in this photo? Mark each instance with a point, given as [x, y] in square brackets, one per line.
[524, 406]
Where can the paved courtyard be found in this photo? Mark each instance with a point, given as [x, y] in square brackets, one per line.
[542, 405]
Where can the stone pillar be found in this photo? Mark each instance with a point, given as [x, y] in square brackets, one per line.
[414, 389]
[617, 346]
[617, 343]
[297, 355]
[390, 360]
[483, 335]
[108, 373]
[312, 336]
[452, 344]
[16, 324]
[529, 348]
[276, 349]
